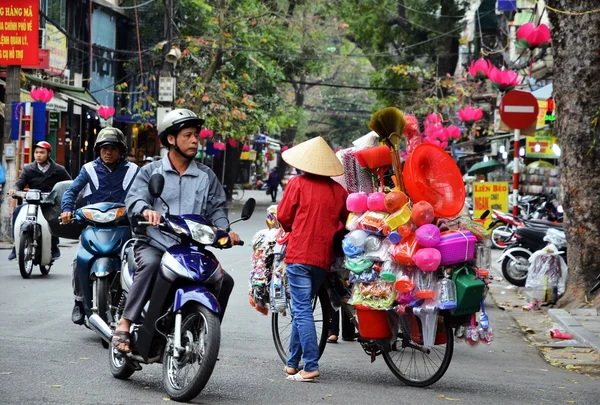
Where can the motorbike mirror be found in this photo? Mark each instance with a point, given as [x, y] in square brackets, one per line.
[156, 185]
[485, 214]
[248, 209]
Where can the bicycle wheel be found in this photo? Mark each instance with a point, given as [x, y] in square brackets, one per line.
[237, 193]
[416, 365]
[281, 325]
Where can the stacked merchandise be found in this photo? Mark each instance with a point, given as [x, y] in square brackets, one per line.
[540, 180]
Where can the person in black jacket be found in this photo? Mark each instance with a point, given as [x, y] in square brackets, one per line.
[41, 175]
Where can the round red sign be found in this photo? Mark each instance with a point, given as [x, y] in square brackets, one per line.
[519, 109]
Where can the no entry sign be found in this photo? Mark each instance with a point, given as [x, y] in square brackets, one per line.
[519, 109]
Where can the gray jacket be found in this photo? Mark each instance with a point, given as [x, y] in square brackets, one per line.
[198, 191]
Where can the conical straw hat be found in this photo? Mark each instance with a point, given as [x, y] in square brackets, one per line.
[314, 156]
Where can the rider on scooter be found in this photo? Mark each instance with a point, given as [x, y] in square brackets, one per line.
[41, 175]
[190, 188]
[106, 179]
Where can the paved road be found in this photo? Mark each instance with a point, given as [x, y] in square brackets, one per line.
[45, 359]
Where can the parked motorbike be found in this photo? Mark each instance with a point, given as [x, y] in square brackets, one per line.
[503, 228]
[99, 261]
[181, 326]
[33, 241]
[515, 258]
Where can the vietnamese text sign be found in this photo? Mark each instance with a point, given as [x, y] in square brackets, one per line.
[56, 42]
[166, 89]
[540, 145]
[489, 196]
[19, 40]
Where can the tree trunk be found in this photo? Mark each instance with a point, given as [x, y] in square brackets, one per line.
[576, 52]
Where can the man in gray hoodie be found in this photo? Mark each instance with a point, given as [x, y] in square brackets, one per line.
[190, 188]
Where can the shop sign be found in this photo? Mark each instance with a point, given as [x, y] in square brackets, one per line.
[541, 118]
[489, 196]
[19, 40]
[56, 42]
[54, 120]
[540, 145]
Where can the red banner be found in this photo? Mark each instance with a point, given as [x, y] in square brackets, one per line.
[19, 26]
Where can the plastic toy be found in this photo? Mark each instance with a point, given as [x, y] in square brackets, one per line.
[422, 213]
[428, 235]
[357, 202]
[376, 202]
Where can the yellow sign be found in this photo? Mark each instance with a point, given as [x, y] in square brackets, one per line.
[541, 118]
[540, 145]
[56, 43]
[489, 196]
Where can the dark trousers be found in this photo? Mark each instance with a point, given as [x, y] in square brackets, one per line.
[347, 327]
[147, 260]
[273, 193]
[14, 219]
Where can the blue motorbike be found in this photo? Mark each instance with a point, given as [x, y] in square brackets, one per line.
[181, 324]
[99, 261]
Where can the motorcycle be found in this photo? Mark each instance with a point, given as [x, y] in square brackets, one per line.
[503, 228]
[181, 324]
[33, 241]
[99, 260]
[515, 258]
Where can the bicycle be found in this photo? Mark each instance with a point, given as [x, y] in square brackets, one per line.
[406, 357]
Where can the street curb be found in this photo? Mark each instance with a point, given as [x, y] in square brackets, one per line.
[574, 327]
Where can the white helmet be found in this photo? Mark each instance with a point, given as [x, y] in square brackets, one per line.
[175, 121]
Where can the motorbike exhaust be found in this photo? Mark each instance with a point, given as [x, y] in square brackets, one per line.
[101, 328]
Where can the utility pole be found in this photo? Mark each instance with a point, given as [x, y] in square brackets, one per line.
[12, 94]
[166, 80]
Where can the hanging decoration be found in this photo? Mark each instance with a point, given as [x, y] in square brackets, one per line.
[470, 114]
[530, 37]
[219, 146]
[106, 111]
[206, 133]
[480, 68]
[232, 142]
[246, 148]
[503, 80]
[41, 94]
[284, 148]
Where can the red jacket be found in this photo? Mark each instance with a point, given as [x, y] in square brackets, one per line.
[311, 209]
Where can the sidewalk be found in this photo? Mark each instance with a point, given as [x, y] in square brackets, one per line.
[580, 354]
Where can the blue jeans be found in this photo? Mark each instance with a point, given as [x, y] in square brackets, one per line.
[305, 282]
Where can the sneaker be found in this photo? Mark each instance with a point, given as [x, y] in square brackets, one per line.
[13, 254]
[78, 314]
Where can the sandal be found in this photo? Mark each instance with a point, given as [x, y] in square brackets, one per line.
[286, 368]
[298, 378]
[121, 337]
[332, 339]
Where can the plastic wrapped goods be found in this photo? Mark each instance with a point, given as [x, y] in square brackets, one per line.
[547, 275]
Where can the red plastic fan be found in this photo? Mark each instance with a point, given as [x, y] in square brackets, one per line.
[431, 175]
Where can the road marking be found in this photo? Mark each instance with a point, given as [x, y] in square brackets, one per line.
[519, 109]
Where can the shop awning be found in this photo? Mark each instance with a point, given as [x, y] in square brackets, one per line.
[79, 95]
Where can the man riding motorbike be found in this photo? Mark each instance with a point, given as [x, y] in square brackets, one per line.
[107, 179]
[190, 188]
[41, 175]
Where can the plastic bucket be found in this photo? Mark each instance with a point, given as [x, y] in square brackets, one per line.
[372, 324]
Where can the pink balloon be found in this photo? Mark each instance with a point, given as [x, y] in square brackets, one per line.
[428, 235]
[357, 202]
[376, 202]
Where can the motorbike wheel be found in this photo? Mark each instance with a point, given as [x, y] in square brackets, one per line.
[412, 365]
[45, 270]
[119, 365]
[185, 377]
[26, 255]
[103, 298]
[510, 271]
[500, 236]
[281, 325]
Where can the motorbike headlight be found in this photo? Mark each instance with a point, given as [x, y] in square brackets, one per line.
[103, 217]
[203, 234]
[32, 195]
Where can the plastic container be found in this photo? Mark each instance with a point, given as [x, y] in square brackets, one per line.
[446, 294]
[399, 218]
[456, 247]
[469, 290]
[395, 237]
[376, 202]
[372, 324]
[483, 255]
[428, 315]
[357, 202]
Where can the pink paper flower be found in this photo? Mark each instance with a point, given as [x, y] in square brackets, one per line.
[479, 69]
[246, 148]
[106, 111]
[453, 132]
[504, 80]
[470, 114]
[219, 146]
[433, 118]
[530, 37]
[412, 125]
[232, 142]
[206, 133]
[41, 94]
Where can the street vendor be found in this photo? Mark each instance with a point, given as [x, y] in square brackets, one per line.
[312, 208]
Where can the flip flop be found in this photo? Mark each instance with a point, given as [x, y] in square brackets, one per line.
[286, 371]
[121, 337]
[330, 340]
[298, 378]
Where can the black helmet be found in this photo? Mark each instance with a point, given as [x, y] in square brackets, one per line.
[110, 136]
[175, 121]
